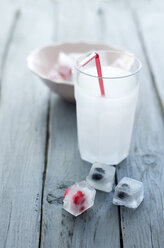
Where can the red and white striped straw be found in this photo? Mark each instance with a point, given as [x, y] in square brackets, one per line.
[95, 56]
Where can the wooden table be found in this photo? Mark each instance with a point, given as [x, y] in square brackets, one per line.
[39, 156]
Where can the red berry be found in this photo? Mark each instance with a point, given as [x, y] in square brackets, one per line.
[66, 192]
[79, 198]
[82, 208]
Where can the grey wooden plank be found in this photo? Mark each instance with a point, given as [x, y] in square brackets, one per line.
[78, 21]
[144, 226]
[7, 24]
[99, 226]
[150, 27]
[23, 122]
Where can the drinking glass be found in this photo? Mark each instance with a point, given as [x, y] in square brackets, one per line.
[105, 123]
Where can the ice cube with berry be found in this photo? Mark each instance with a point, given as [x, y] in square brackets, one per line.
[101, 177]
[129, 193]
[78, 198]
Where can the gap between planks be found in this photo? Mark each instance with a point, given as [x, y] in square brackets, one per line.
[45, 170]
[119, 217]
[138, 29]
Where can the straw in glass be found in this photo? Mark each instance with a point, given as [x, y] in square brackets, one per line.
[95, 56]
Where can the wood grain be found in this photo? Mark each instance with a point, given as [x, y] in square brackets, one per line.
[23, 117]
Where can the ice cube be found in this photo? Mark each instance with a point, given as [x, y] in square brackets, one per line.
[62, 70]
[65, 65]
[78, 198]
[101, 177]
[129, 193]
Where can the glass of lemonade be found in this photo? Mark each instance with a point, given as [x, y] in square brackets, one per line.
[105, 123]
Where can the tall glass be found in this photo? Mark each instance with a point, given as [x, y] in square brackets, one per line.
[105, 123]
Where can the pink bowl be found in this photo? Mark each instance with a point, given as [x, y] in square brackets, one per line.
[41, 62]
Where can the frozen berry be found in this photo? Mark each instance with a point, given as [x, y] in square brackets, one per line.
[79, 198]
[122, 195]
[100, 170]
[97, 176]
[66, 192]
[82, 208]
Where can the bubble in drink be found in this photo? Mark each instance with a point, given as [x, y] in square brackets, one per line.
[78, 198]
[101, 177]
[129, 193]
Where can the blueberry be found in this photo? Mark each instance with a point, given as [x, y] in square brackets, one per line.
[97, 176]
[100, 170]
[122, 195]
